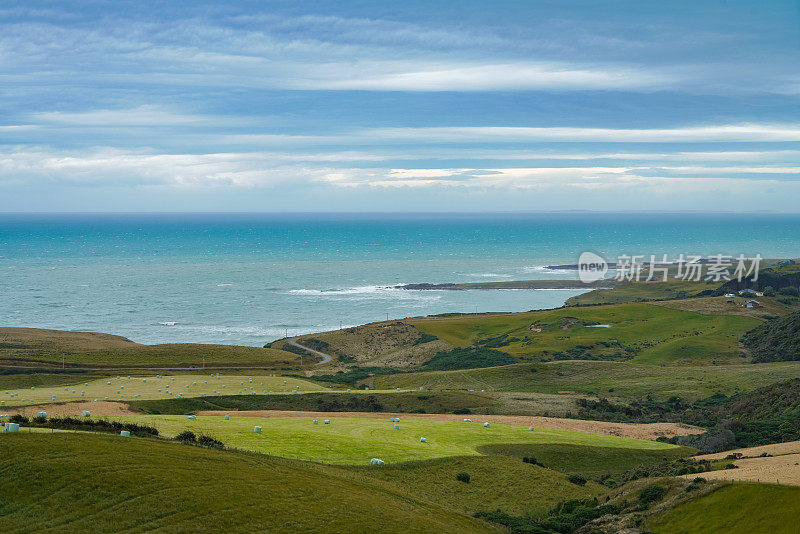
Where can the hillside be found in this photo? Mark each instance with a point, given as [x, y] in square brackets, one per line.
[47, 348]
[734, 509]
[113, 484]
[776, 340]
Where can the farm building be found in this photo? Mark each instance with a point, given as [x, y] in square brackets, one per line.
[752, 304]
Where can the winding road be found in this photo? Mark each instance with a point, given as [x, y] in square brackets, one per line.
[325, 357]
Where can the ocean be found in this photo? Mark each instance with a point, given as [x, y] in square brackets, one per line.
[252, 278]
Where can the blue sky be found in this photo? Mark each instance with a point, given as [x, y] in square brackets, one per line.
[399, 106]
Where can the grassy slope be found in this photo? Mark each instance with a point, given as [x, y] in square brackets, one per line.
[613, 379]
[32, 346]
[495, 483]
[148, 388]
[80, 482]
[640, 292]
[420, 402]
[585, 460]
[656, 332]
[736, 509]
[355, 441]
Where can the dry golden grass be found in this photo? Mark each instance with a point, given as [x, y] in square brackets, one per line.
[721, 306]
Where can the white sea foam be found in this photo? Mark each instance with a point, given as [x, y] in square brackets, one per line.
[168, 323]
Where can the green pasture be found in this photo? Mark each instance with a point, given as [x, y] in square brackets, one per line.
[641, 291]
[81, 482]
[609, 379]
[735, 509]
[644, 332]
[496, 482]
[357, 440]
[127, 388]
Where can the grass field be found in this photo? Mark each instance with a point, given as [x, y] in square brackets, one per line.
[70, 482]
[406, 401]
[33, 346]
[124, 387]
[495, 483]
[641, 292]
[735, 509]
[611, 379]
[356, 440]
[589, 461]
[644, 332]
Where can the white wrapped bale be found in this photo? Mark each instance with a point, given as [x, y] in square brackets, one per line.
[257, 429]
[315, 422]
[12, 427]
[397, 427]
[530, 428]
[124, 433]
[42, 415]
[85, 413]
[486, 425]
[191, 417]
[327, 421]
[376, 461]
[422, 440]
[467, 420]
[227, 418]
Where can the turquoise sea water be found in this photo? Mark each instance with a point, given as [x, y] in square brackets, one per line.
[251, 278]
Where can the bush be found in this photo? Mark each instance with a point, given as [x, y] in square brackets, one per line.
[577, 479]
[789, 291]
[651, 494]
[462, 411]
[208, 441]
[186, 436]
[463, 477]
[467, 358]
[531, 460]
[19, 419]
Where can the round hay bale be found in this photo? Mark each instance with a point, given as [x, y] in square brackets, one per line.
[486, 425]
[226, 418]
[125, 433]
[315, 422]
[467, 420]
[42, 414]
[422, 440]
[85, 413]
[376, 461]
[327, 421]
[397, 427]
[530, 428]
[257, 429]
[191, 417]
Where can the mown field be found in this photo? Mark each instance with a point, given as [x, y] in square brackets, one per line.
[38, 347]
[357, 440]
[624, 380]
[642, 333]
[735, 509]
[125, 387]
[70, 482]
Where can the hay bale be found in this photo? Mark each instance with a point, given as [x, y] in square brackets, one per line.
[125, 433]
[85, 413]
[227, 418]
[397, 427]
[530, 428]
[422, 440]
[376, 461]
[486, 425]
[327, 421]
[12, 427]
[191, 417]
[257, 429]
[42, 414]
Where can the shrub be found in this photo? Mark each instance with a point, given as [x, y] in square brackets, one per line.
[463, 477]
[186, 436]
[19, 419]
[531, 460]
[467, 358]
[651, 493]
[462, 411]
[577, 479]
[208, 441]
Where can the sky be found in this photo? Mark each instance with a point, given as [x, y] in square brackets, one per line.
[399, 106]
